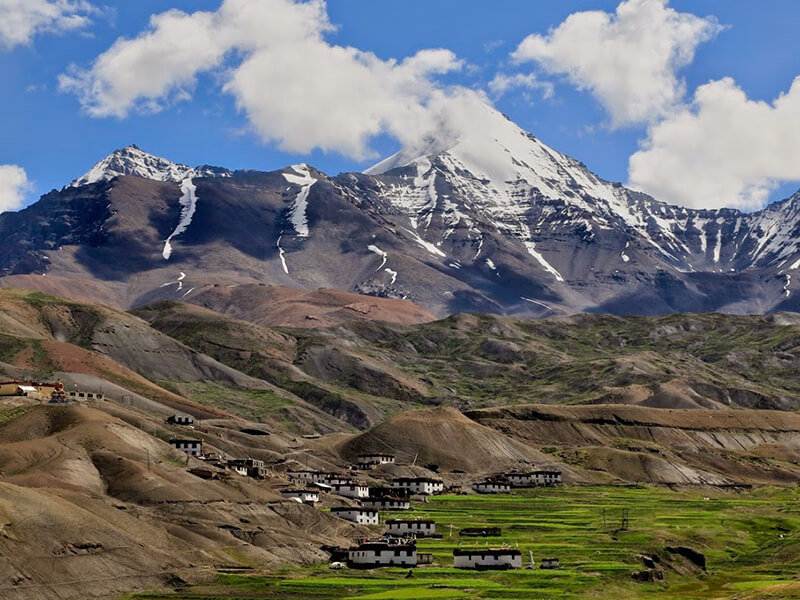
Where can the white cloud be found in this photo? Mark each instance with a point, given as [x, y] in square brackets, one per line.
[21, 20]
[13, 185]
[503, 83]
[628, 60]
[296, 88]
[724, 150]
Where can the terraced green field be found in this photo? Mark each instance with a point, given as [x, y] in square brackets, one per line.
[751, 541]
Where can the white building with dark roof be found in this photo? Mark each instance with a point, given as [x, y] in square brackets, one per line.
[546, 477]
[312, 476]
[357, 514]
[419, 485]
[411, 527]
[305, 496]
[376, 458]
[492, 486]
[350, 489]
[189, 446]
[520, 479]
[387, 503]
[178, 419]
[383, 554]
[487, 558]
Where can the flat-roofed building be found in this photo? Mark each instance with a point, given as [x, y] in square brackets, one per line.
[357, 514]
[419, 485]
[179, 419]
[387, 503]
[492, 485]
[411, 527]
[376, 458]
[487, 558]
[189, 446]
[383, 554]
[305, 496]
[350, 489]
[546, 477]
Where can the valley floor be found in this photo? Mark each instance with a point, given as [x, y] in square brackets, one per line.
[750, 540]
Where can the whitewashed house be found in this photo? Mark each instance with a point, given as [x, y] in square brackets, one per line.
[356, 514]
[190, 447]
[487, 558]
[376, 458]
[549, 563]
[411, 527]
[180, 420]
[302, 476]
[335, 479]
[383, 554]
[387, 503]
[419, 485]
[520, 479]
[492, 486]
[311, 476]
[545, 478]
[305, 496]
[350, 489]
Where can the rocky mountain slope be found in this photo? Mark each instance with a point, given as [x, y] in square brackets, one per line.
[491, 220]
[469, 361]
[357, 373]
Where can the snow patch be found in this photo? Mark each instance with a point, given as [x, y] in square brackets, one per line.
[623, 256]
[393, 274]
[188, 203]
[786, 289]
[379, 252]
[718, 245]
[297, 214]
[427, 245]
[281, 255]
[535, 302]
[531, 247]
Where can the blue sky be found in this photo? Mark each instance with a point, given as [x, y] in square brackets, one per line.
[49, 134]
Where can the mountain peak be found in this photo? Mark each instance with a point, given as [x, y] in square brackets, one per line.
[501, 155]
[132, 160]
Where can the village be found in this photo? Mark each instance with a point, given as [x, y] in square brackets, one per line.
[344, 494]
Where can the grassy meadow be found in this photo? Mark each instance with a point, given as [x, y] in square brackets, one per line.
[751, 541]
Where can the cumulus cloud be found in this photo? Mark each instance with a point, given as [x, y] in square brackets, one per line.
[628, 60]
[503, 83]
[13, 185]
[723, 150]
[21, 20]
[296, 89]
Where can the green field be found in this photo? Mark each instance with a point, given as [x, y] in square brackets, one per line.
[751, 540]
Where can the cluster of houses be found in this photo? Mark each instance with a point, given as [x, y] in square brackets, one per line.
[398, 546]
[216, 465]
[502, 484]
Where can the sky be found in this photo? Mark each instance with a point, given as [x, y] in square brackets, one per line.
[694, 102]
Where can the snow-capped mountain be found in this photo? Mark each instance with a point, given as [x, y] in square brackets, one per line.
[131, 160]
[510, 176]
[488, 220]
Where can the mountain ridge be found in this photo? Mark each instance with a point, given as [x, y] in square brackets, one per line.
[492, 220]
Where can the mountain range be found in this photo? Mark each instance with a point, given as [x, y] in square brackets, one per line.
[491, 220]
